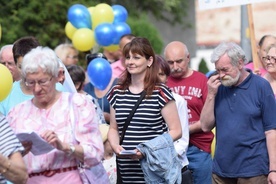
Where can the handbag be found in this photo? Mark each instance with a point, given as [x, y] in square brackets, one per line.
[119, 179]
[187, 177]
[95, 174]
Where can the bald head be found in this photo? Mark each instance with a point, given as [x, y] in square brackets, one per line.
[6, 53]
[178, 57]
[6, 58]
[175, 48]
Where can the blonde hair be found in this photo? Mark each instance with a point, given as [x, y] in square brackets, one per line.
[62, 50]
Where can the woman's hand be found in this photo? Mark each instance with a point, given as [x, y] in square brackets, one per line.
[28, 146]
[136, 156]
[117, 149]
[52, 138]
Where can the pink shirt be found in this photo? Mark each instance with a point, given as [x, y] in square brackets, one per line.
[251, 67]
[117, 68]
[26, 117]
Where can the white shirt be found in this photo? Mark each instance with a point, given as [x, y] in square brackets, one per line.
[181, 145]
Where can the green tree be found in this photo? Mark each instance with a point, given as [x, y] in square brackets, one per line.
[159, 8]
[43, 19]
[46, 19]
[203, 66]
[143, 28]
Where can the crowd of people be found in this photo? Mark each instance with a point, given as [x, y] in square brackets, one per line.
[152, 124]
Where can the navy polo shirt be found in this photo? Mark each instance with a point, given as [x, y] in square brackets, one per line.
[243, 113]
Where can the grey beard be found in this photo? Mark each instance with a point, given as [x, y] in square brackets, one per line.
[231, 81]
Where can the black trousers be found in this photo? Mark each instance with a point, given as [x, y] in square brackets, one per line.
[187, 177]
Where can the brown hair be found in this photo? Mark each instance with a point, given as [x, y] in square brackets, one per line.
[163, 65]
[142, 47]
[77, 74]
[24, 45]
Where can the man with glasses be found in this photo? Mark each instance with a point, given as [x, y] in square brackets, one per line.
[6, 58]
[192, 86]
[242, 107]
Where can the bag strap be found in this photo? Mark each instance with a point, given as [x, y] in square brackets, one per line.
[72, 115]
[130, 116]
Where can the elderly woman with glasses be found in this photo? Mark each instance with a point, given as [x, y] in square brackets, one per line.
[270, 66]
[67, 121]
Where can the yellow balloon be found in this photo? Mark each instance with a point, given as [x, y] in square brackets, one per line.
[213, 146]
[84, 39]
[103, 13]
[111, 48]
[91, 9]
[5, 82]
[70, 30]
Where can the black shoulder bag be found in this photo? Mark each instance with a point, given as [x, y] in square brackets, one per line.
[130, 116]
[119, 179]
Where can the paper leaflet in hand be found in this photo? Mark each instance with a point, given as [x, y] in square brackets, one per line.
[128, 152]
[39, 145]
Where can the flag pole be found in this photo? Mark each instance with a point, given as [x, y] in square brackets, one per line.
[255, 57]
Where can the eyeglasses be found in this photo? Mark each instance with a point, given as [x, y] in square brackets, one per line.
[72, 57]
[43, 82]
[271, 59]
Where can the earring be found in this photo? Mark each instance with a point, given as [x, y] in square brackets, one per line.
[148, 66]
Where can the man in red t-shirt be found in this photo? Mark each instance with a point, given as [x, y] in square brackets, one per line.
[192, 86]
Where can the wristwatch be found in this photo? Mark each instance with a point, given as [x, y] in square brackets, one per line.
[72, 149]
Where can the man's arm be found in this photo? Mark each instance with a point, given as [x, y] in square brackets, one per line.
[207, 116]
[271, 148]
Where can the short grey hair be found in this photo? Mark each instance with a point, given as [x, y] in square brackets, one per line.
[233, 51]
[4, 48]
[40, 57]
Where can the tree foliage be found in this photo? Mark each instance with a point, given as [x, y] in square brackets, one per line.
[46, 19]
[142, 28]
[203, 66]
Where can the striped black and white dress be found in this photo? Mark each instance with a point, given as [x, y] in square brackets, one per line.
[8, 141]
[146, 124]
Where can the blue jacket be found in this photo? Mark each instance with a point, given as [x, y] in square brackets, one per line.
[160, 164]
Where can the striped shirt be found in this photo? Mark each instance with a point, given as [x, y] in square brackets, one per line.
[8, 142]
[146, 124]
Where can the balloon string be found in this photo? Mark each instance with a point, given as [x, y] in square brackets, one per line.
[95, 49]
[102, 104]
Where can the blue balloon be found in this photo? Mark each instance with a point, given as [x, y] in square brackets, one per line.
[120, 13]
[104, 34]
[79, 16]
[121, 28]
[99, 72]
[208, 74]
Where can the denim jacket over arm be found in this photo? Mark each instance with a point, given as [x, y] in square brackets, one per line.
[160, 164]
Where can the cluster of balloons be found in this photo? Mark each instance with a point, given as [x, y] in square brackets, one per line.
[5, 82]
[103, 25]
